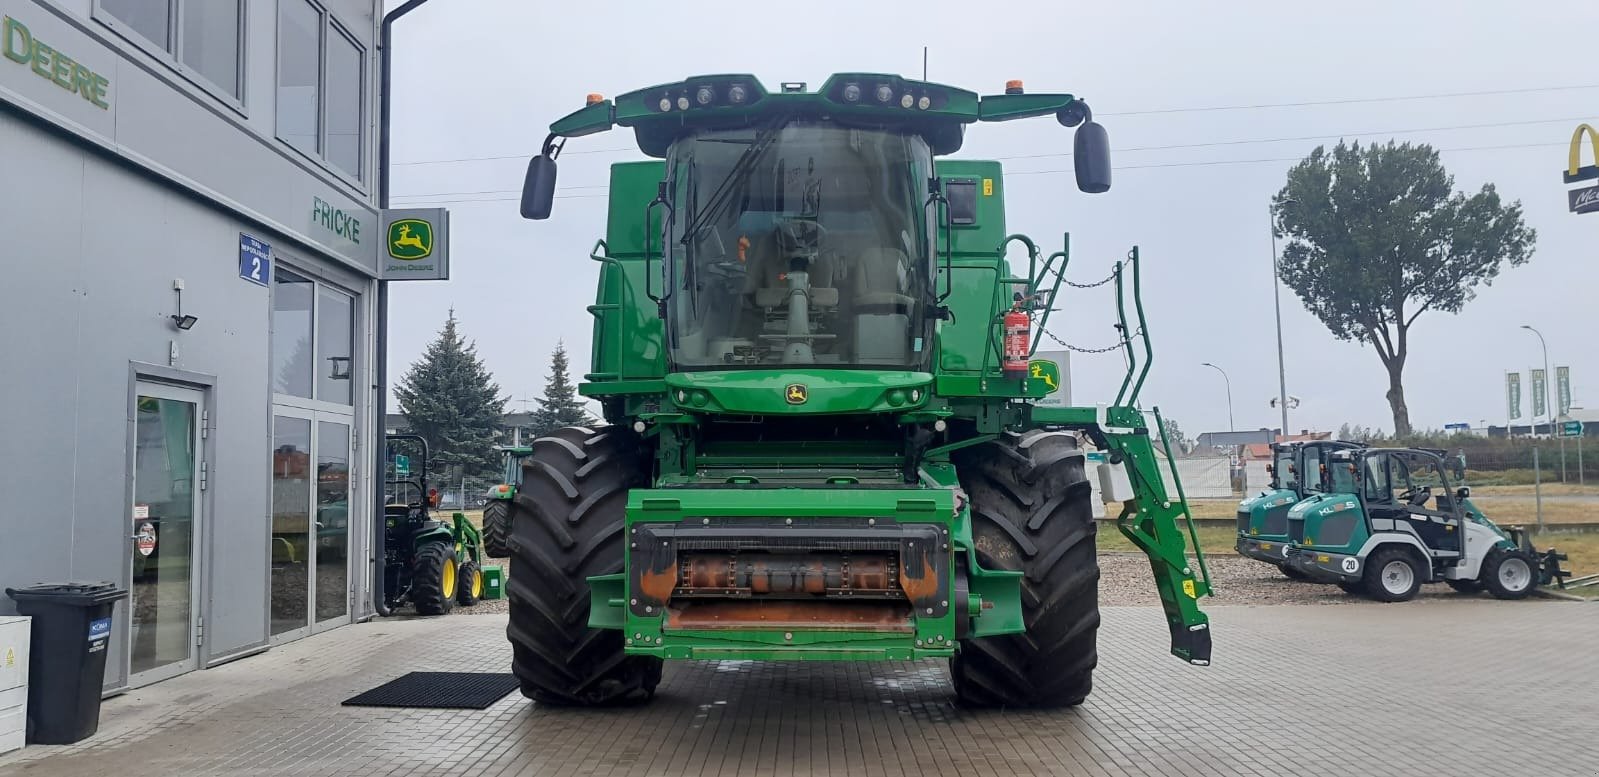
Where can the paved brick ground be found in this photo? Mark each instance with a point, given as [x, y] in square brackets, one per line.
[1474, 687]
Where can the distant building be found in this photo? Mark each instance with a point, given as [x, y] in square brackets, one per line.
[515, 428]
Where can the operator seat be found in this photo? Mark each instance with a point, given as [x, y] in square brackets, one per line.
[882, 313]
[766, 282]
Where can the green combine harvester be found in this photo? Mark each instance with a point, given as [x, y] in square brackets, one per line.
[813, 355]
[1298, 470]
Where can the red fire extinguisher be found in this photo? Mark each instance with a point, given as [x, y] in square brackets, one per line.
[1017, 325]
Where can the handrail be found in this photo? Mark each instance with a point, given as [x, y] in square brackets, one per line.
[1121, 327]
[1143, 329]
[1182, 498]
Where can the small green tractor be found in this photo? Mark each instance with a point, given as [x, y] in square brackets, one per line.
[1392, 522]
[812, 347]
[1297, 471]
[497, 510]
[430, 564]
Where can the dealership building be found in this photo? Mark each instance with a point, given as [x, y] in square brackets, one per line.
[191, 237]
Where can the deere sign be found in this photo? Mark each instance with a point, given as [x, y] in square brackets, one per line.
[416, 245]
[1049, 374]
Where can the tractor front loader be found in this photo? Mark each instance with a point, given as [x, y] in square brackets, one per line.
[812, 344]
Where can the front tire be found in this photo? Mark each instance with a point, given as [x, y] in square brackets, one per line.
[468, 584]
[1508, 574]
[566, 526]
[1031, 512]
[434, 579]
[1392, 575]
[496, 528]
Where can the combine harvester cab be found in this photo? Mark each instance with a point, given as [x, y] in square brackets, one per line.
[1392, 522]
[813, 355]
[1298, 471]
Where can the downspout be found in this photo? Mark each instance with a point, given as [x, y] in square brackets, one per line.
[381, 362]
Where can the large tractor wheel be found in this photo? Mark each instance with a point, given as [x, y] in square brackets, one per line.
[1392, 575]
[1508, 574]
[496, 528]
[433, 579]
[1031, 512]
[566, 526]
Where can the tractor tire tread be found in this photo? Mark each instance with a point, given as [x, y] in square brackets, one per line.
[427, 579]
[496, 529]
[567, 525]
[1031, 512]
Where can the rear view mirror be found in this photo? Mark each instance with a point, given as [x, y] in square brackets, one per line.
[538, 188]
[1463, 492]
[1091, 156]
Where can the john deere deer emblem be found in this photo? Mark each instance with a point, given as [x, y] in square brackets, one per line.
[796, 393]
[1046, 372]
[410, 239]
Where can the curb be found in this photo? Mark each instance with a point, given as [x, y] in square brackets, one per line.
[1548, 594]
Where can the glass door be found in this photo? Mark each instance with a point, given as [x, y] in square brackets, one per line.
[332, 552]
[291, 526]
[164, 540]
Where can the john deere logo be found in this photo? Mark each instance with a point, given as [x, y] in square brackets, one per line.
[796, 393]
[410, 239]
[1045, 372]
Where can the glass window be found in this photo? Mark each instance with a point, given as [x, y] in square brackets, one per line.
[211, 42]
[299, 66]
[163, 523]
[829, 214]
[150, 18]
[334, 346]
[291, 334]
[344, 104]
[291, 522]
[332, 520]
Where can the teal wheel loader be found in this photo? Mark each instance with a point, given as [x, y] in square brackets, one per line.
[1396, 523]
[812, 345]
[1298, 470]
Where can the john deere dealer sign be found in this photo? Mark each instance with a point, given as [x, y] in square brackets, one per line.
[416, 245]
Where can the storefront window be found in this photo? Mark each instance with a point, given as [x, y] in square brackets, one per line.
[299, 66]
[291, 334]
[334, 346]
[291, 522]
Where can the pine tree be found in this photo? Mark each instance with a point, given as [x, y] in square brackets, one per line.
[560, 405]
[450, 398]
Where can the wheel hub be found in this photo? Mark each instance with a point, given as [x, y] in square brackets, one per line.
[1397, 577]
[1514, 575]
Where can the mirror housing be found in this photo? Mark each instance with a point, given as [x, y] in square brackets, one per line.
[538, 188]
[1091, 157]
[1464, 492]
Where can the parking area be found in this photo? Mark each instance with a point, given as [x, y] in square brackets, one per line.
[1463, 687]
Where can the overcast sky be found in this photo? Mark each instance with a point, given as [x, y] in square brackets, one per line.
[484, 78]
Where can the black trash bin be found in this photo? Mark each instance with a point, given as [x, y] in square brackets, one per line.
[71, 631]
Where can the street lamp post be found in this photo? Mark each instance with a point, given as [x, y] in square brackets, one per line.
[1549, 405]
[1228, 381]
[1276, 302]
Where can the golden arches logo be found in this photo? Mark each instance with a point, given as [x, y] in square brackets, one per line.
[1575, 171]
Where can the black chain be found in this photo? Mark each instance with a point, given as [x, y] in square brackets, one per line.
[1070, 347]
[1095, 284]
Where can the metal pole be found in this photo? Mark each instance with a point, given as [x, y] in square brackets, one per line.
[1276, 302]
[1229, 383]
[1537, 485]
[380, 361]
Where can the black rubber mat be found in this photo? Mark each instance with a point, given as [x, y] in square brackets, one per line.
[438, 690]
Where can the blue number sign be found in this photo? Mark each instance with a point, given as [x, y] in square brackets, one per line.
[255, 260]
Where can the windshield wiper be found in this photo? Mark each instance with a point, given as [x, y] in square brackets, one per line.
[741, 169]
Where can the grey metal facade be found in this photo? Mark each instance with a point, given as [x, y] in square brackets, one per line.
[122, 172]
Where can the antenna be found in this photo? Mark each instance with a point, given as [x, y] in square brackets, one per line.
[924, 63]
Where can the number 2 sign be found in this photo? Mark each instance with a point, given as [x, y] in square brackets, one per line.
[255, 260]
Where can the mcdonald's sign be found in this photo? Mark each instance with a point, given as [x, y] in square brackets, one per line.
[1575, 170]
